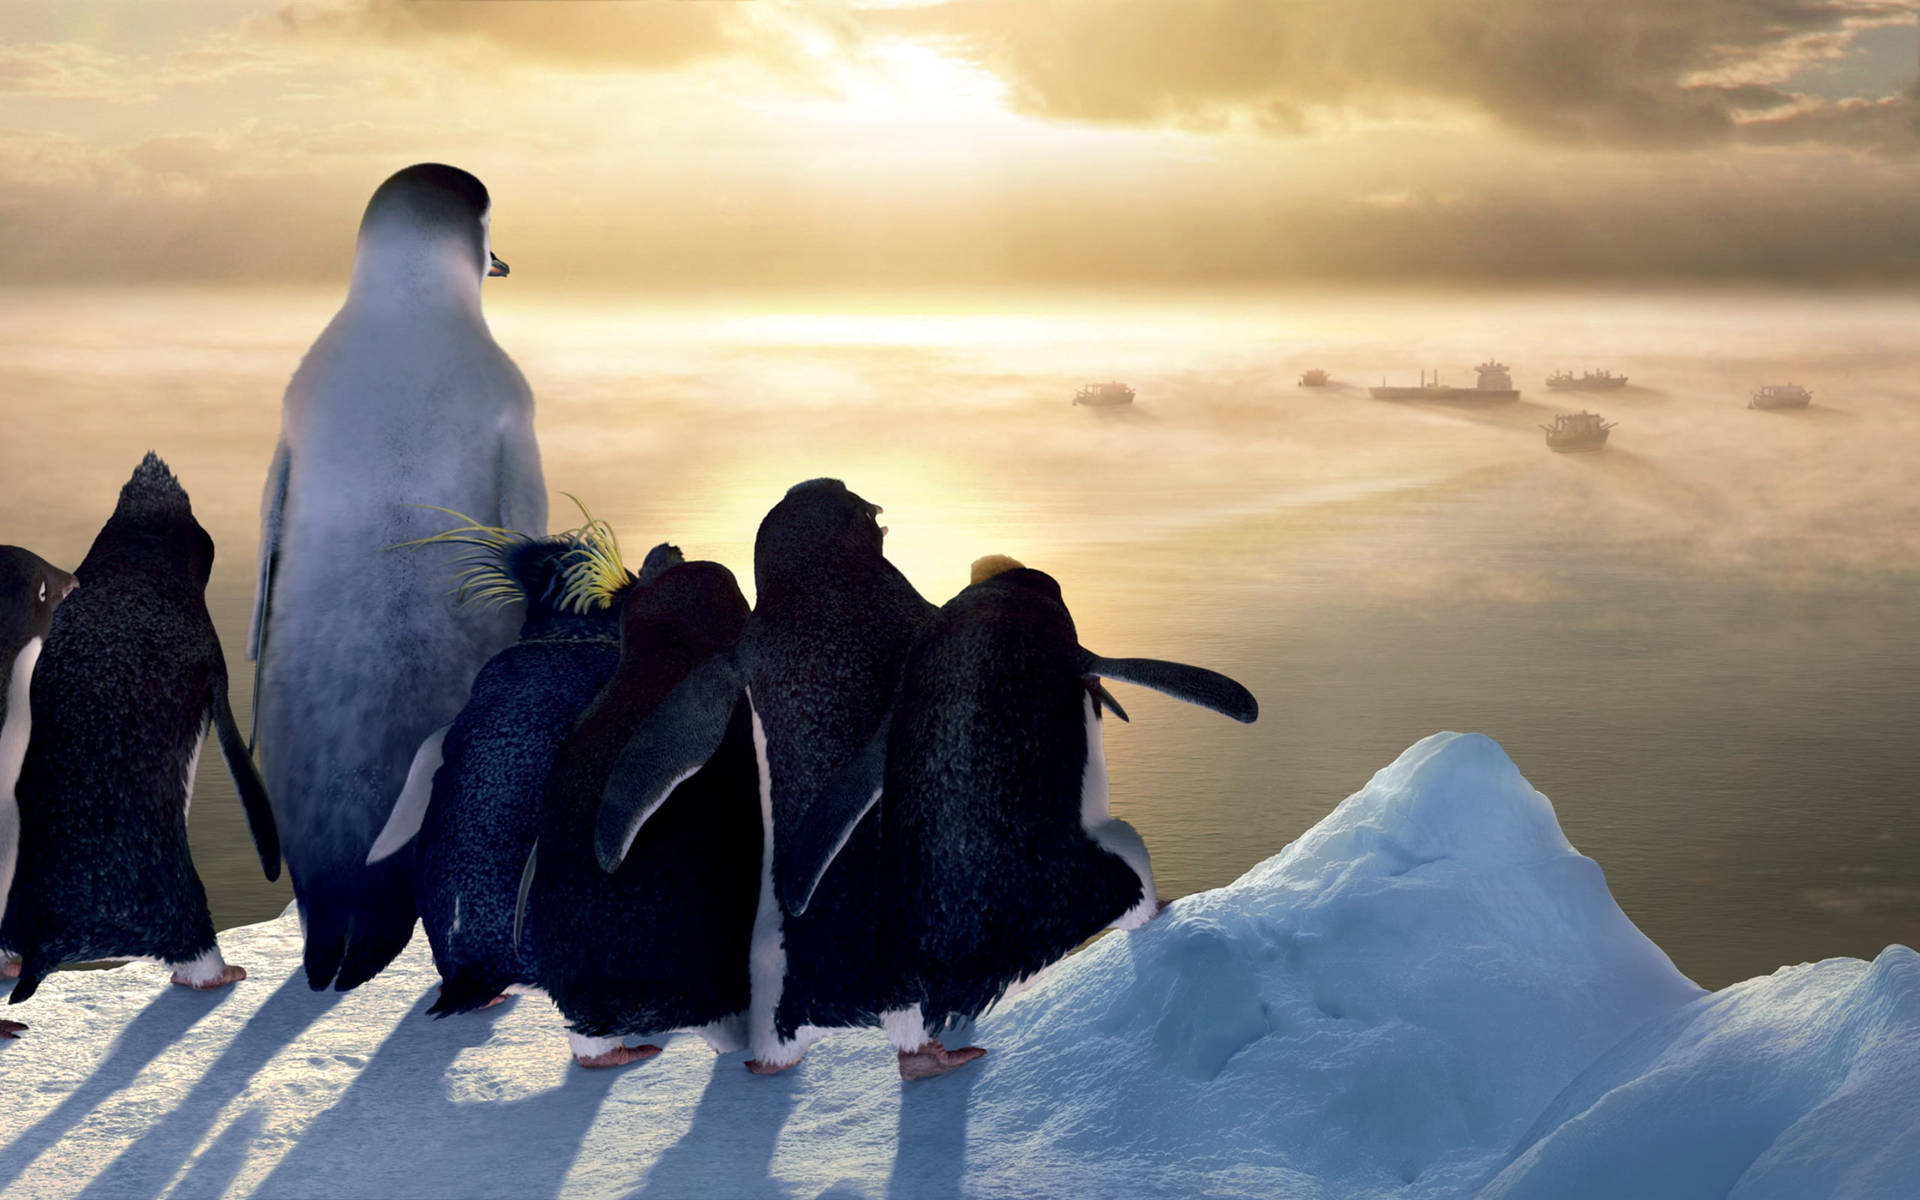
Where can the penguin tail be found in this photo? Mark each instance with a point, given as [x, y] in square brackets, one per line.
[358, 921]
[32, 971]
[465, 990]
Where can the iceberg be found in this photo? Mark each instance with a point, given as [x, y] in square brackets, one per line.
[1429, 994]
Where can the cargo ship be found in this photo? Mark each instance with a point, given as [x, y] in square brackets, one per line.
[1104, 395]
[1496, 383]
[1577, 431]
[1313, 378]
[1586, 381]
[1780, 395]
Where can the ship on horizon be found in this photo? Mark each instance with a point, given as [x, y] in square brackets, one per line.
[1586, 381]
[1104, 395]
[1495, 383]
[1577, 431]
[1780, 395]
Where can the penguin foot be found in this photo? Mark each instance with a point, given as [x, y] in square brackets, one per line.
[764, 1068]
[10, 969]
[228, 974]
[935, 1059]
[619, 1056]
[10, 1030]
[441, 990]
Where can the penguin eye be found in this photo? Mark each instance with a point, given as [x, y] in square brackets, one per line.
[43, 591]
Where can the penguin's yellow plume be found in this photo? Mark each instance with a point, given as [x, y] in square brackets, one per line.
[595, 573]
[485, 576]
[993, 564]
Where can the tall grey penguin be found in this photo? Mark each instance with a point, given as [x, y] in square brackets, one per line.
[403, 402]
[818, 662]
[126, 688]
[999, 853]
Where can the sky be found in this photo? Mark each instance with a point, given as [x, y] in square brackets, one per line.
[729, 144]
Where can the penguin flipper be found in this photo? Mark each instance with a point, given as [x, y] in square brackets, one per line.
[802, 855]
[33, 968]
[520, 897]
[669, 747]
[410, 810]
[246, 779]
[273, 503]
[1195, 685]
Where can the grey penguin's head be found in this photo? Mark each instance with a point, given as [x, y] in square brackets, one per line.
[817, 523]
[30, 589]
[424, 217]
[152, 525]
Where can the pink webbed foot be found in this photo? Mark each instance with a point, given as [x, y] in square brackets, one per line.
[10, 969]
[440, 989]
[228, 974]
[935, 1059]
[10, 1030]
[762, 1068]
[619, 1056]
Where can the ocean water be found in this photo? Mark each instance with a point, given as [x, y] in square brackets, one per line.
[1702, 642]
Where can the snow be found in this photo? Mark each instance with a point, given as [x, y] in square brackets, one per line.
[1430, 994]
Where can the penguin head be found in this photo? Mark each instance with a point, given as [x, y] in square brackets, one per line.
[428, 226]
[700, 602]
[30, 588]
[565, 580]
[818, 522]
[1001, 572]
[153, 526]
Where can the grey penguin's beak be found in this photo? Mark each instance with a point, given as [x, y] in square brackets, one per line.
[497, 267]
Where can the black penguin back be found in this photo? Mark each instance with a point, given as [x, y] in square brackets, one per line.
[661, 943]
[826, 644]
[988, 872]
[120, 701]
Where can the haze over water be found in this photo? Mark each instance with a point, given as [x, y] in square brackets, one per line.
[1701, 643]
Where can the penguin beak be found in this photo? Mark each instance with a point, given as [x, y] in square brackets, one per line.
[68, 590]
[497, 267]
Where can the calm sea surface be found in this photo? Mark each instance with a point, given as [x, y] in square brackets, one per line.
[1702, 643]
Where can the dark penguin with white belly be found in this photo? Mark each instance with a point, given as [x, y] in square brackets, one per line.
[661, 943]
[819, 661]
[998, 854]
[129, 682]
[473, 797]
[30, 589]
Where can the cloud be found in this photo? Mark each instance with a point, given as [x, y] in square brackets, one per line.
[1643, 73]
[589, 35]
[66, 71]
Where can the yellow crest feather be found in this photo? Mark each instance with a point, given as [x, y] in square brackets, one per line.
[993, 564]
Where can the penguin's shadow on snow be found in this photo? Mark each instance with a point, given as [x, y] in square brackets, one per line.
[930, 1148]
[405, 1136]
[151, 1161]
[160, 1024]
[728, 1149]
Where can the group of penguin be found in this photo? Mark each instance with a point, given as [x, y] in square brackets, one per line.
[665, 809]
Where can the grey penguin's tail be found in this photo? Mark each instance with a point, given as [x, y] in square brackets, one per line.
[358, 921]
[467, 989]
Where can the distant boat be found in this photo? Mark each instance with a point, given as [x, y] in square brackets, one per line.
[1313, 378]
[1586, 381]
[1780, 395]
[1104, 395]
[1577, 431]
[1496, 383]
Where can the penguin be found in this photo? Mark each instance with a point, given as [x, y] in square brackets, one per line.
[30, 589]
[404, 402]
[482, 778]
[129, 682]
[661, 943]
[819, 662]
[999, 853]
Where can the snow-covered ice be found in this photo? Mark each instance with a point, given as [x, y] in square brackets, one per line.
[1430, 994]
